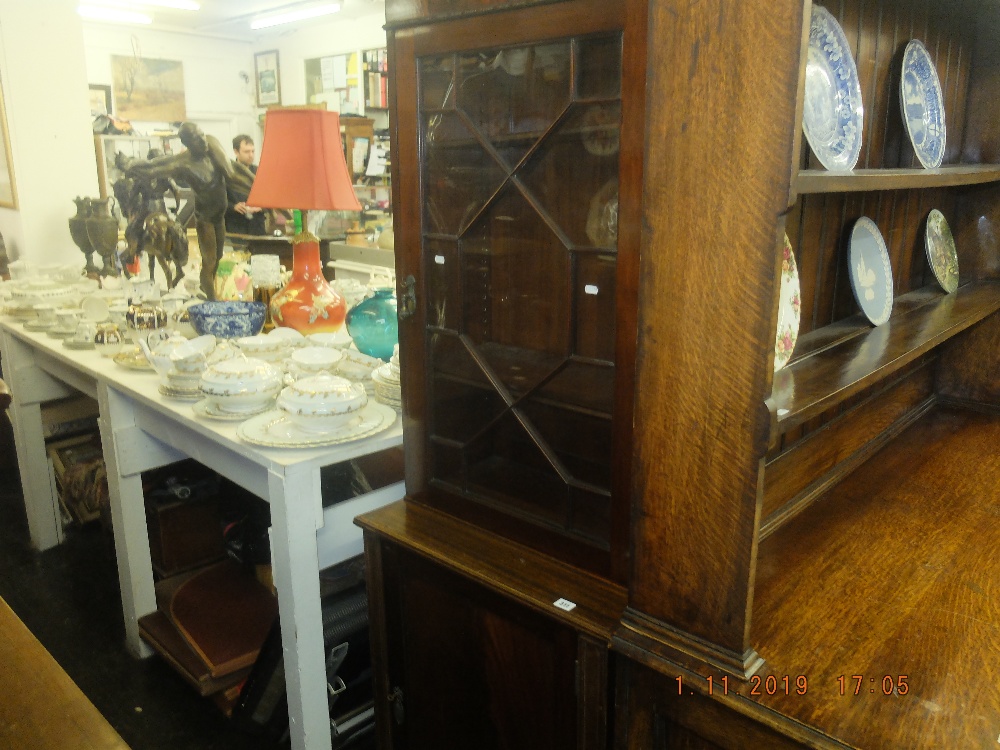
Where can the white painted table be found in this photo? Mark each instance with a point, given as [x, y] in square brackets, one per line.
[141, 430]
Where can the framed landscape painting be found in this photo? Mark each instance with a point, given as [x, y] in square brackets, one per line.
[8, 190]
[147, 89]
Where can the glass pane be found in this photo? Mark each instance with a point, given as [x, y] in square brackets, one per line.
[443, 285]
[459, 175]
[582, 386]
[522, 297]
[513, 95]
[595, 306]
[463, 402]
[599, 67]
[579, 440]
[574, 174]
[590, 514]
[505, 464]
[437, 90]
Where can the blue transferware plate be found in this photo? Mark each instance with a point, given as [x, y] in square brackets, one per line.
[832, 112]
[923, 105]
[870, 271]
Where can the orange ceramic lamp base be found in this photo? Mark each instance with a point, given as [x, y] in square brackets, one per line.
[307, 302]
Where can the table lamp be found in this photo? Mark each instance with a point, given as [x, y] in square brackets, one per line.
[302, 166]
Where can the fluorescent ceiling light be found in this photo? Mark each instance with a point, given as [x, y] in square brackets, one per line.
[112, 15]
[175, 4]
[294, 15]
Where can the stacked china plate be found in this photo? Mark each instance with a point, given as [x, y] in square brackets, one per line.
[386, 381]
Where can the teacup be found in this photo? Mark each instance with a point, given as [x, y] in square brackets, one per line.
[45, 314]
[192, 356]
[67, 319]
[84, 333]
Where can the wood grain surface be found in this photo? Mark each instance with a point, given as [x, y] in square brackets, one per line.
[41, 706]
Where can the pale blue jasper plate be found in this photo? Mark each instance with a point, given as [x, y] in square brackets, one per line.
[832, 112]
[870, 271]
[923, 105]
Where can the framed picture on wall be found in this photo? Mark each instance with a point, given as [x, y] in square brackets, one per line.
[268, 78]
[8, 191]
[100, 100]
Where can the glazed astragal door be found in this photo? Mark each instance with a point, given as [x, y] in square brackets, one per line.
[519, 182]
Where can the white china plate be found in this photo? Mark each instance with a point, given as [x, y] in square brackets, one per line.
[181, 394]
[870, 271]
[789, 309]
[210, 410]
[60, 333]
[273, 429]
[832, 113]
[923, 105]
[942, 256]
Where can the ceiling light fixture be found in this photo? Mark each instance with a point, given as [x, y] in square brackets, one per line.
[174, 4]
[112, 15]
[296, 15]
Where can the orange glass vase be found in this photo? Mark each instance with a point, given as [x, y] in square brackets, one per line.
[307, 302]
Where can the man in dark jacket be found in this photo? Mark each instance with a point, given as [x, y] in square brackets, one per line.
[241, 218]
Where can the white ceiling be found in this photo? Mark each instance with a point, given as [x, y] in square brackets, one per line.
[231, 18]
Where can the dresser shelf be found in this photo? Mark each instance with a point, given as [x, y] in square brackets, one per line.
[866, 180]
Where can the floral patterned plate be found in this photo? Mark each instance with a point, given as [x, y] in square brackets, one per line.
[832, 114]
[789, 309]
[274, 430]
[941, 253]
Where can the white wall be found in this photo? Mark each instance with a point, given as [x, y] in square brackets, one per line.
[48, 120]
[216, 95]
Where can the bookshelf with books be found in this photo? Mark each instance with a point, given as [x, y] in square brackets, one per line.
[376, 79]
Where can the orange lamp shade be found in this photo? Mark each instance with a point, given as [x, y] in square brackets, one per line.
[302, 163]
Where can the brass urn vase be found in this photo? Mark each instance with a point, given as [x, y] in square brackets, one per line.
[78, 232]
[102, 230]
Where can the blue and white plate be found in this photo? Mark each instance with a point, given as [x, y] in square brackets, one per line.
[870, 271]
[832, 112]
[923, 105]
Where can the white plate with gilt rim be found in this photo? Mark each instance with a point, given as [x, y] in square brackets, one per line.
[210, 410]
[922, 103]
[832, 110]
[870, 271]
[273, 429]
[789, 308]
[942, 256]
[181, 394]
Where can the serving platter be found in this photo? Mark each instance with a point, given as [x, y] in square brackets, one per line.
[942, 255]
[273, 429]
[832, 112]
[870, 271]
[789, 308]
[922, 103]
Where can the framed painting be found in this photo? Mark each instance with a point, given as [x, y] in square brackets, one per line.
[268, 78]
[8, 190]
[147, 89]
[100, 100]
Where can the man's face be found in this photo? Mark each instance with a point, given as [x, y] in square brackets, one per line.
[245, 153]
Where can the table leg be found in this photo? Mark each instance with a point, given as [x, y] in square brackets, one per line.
[128, 519]
[296, 514]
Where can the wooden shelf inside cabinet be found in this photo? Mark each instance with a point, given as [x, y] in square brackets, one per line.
[865, 180]
[845, 358]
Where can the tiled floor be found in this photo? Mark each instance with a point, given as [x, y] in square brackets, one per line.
[68, 597]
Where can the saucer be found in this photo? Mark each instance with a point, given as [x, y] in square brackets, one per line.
[132, 359]
[37, 325]
[273, 429]
[78, 345]
[60, 333]
[181, 394]
[210, 410]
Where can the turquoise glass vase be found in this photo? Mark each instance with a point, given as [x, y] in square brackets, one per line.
[373, 325]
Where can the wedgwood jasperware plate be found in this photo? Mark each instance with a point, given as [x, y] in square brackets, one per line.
[870, 271]
[942, 255]
[273, 429]
[789, 309]
[923, 105]
[832, 112]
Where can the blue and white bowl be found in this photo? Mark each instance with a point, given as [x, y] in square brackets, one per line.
[227, 320]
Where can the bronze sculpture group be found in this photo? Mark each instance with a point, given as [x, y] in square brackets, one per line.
[206, 169]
